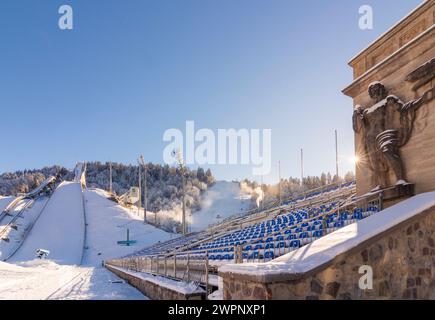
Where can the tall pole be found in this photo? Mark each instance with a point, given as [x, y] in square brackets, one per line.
[302, 167]
[279, 183]
[140, 190]
[183, 179]
[184, 205]
[261, 188]
[145, 191]
[336, 154]
[110, 178]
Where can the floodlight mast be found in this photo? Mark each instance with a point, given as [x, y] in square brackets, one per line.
[145, 196]
[302, 167]
[279, 183]
[182, 168]
[110, 179]
[336, 154]
[140, 190]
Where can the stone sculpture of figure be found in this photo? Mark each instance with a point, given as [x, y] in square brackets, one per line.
[386, 127]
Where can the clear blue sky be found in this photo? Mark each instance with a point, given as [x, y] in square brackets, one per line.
[129, 70]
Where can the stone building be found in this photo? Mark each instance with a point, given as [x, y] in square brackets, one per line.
[402, 60]
[394, 122]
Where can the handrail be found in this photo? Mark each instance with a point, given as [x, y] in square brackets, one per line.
[10, 206]
[231, 229]
[274, 204]
[184, 269]
[15, 217]
[190, 263]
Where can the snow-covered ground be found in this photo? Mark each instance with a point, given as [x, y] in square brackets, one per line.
[108, 223]
[14, 229]
[61, 229]
[44, 279]
[4, 201]
[220, 201]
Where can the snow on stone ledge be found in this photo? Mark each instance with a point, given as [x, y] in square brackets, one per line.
[216, 295]
[178, 286]
[330, 246]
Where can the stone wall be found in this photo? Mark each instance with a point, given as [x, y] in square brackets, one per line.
[402, 259]
[152, 290]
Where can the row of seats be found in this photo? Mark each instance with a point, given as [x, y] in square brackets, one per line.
[284, 221]
[310, 196]
[291, 238]
[292, 227]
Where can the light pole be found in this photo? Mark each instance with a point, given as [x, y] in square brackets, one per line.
[183, 179]
[279, 183]
[145, 196]
[110, 178]
[336, 154]
[302, 167]
[140, 190]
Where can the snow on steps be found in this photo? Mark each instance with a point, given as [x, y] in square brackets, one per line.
[325, 249]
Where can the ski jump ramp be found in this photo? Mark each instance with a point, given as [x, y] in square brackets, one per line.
[60, 228]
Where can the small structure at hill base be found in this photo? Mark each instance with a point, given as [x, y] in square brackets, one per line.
[127, 242]
[42, 253]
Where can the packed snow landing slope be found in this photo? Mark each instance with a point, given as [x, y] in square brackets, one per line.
[59, 229]
[220, 201]
[108, 223]
[44, 279]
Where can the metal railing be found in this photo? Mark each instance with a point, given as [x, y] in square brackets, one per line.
[179, 267]
[264, 211]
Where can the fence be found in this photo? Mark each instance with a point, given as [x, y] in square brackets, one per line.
[189, 267]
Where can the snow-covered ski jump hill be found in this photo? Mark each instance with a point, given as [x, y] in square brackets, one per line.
[80, 228]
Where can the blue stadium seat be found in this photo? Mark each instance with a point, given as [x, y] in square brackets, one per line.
[295, 244]
[281, 244]
[254, 255]
[269, 245]
[269, 255]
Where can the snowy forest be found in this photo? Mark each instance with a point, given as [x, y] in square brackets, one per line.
[164, 183]
[292, 187]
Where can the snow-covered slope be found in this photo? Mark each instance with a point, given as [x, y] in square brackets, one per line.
[28, 212]
[44, 279]
[4, 201]
[108, 223]
[59, 229]
[221, 200]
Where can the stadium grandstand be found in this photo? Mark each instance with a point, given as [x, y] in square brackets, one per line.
[256, 236]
